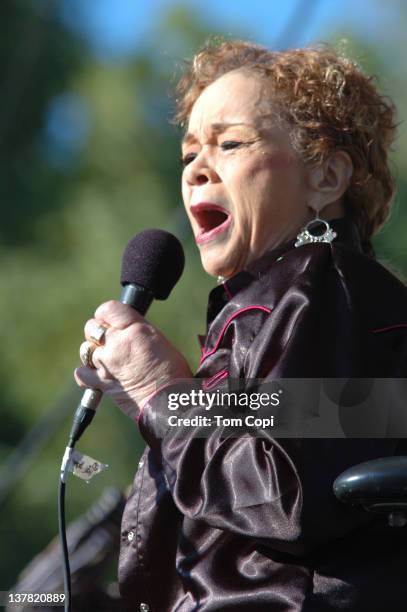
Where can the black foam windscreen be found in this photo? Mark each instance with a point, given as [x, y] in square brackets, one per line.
[153, 259]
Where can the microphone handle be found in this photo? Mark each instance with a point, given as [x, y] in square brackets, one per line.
[140, 299]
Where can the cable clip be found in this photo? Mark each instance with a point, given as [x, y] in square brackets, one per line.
[80, 465]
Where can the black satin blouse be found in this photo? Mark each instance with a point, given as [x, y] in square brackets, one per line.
[251, 523]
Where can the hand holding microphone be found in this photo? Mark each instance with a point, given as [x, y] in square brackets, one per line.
[125, 356]
[132, 358]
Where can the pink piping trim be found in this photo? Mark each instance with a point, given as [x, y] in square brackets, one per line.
[224, 328]
[211, 382]
[383, 329]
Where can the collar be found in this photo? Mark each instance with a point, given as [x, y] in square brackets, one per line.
[347, 233]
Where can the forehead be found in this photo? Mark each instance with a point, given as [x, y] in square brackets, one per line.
[235, 98]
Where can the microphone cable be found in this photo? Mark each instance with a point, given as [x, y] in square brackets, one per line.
[64, 546]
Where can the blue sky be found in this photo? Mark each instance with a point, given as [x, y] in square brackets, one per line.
[115, 28]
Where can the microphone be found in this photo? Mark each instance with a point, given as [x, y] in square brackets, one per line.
[152, 264]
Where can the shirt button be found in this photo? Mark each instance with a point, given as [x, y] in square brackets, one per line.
[144, 607]
[130, 536]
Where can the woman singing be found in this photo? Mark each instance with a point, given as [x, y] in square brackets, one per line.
[285, 181]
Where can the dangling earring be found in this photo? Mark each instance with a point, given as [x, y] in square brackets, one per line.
[306, 237]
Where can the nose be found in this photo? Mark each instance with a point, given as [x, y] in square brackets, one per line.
[200, 171]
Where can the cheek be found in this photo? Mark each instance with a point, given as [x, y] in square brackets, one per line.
[268, 181]
[255, 171]
[251, 187]
[242, 180]
[274, 177]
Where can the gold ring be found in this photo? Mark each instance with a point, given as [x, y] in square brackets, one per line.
[85, 353]
[98, 334]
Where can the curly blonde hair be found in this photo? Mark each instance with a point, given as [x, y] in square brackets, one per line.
[330, 104]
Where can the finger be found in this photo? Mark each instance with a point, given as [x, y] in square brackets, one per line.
[87, 378]
[86, 351]
[117, 315]
[91, 357]
[95, 332]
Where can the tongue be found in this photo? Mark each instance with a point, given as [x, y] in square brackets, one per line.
[211, 219]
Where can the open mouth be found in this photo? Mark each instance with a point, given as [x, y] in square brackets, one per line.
[212, 220]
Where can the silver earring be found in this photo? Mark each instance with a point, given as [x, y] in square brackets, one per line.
[220, 280]
[306, 237]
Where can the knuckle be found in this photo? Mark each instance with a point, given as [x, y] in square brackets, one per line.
[90, 323]
[141, 331]
[138, 328]
[107, 308]
[111, 304]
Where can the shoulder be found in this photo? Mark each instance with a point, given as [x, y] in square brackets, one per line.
[379, 296]
[334, 312]
[322, 272]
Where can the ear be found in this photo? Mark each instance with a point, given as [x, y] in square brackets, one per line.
[328, 181]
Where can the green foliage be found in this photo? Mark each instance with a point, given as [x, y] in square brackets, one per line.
[38, 60]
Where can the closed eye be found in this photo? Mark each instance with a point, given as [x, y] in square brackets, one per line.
[230, 144]
[227, 145]
[186, 159]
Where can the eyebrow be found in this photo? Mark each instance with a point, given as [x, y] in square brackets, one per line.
[216, 128]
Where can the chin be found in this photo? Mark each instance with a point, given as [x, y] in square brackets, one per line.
[222, 257]
[216, 266]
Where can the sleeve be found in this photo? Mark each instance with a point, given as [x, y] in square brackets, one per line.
[278, 491]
